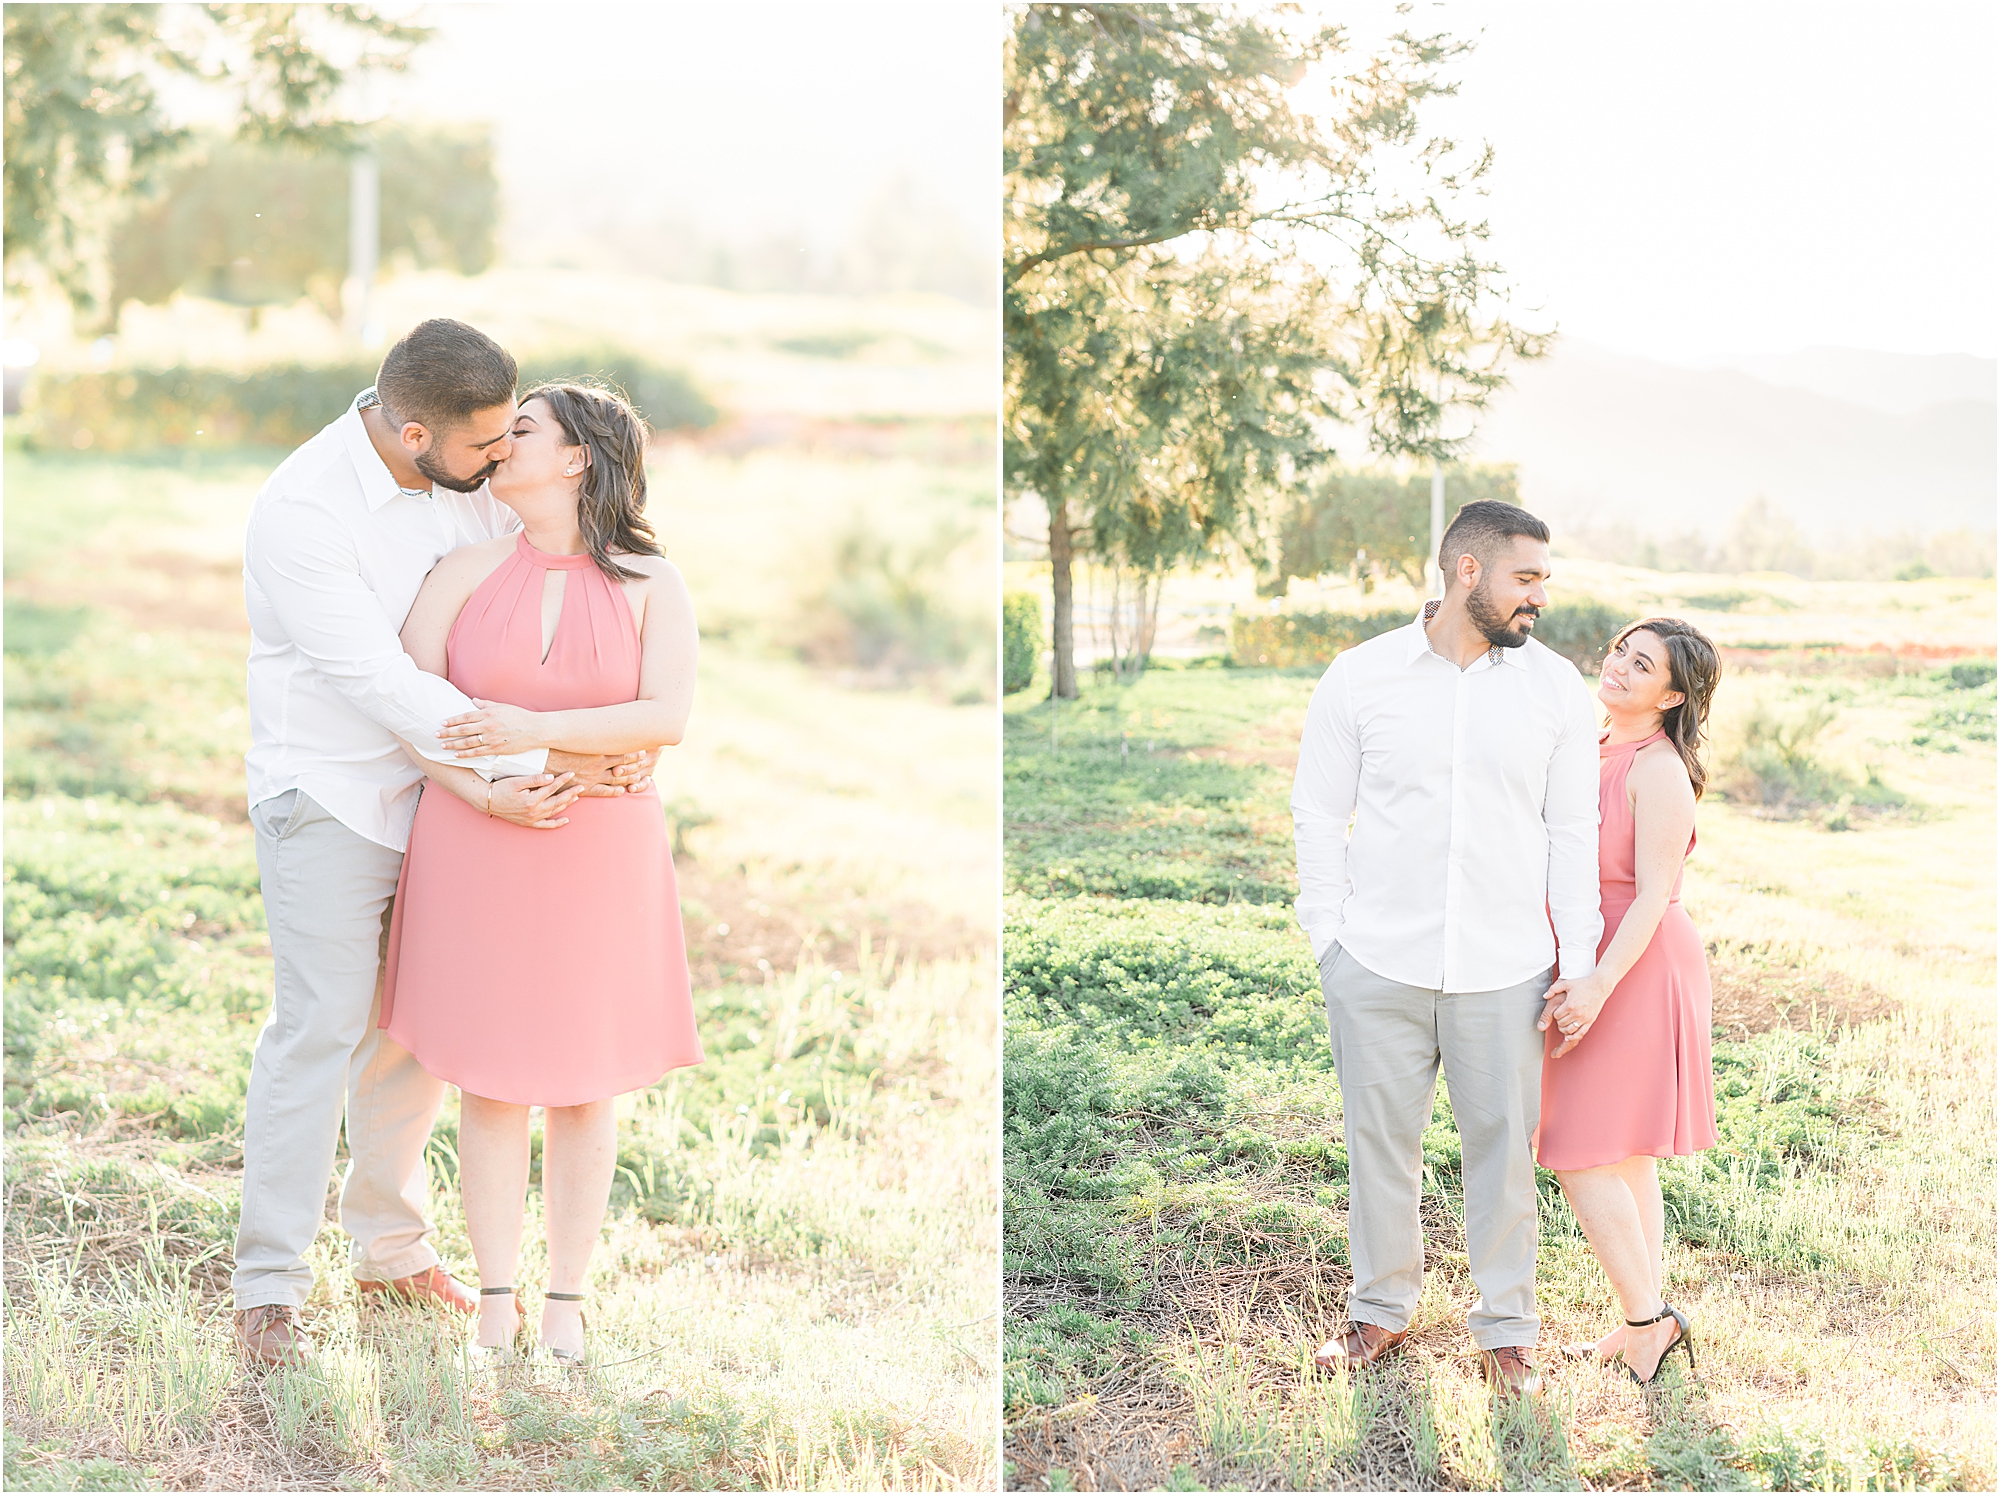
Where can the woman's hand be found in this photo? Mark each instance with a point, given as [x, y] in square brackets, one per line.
[606, 775]
[535, 801]
[1572, 1006]
[494, 728]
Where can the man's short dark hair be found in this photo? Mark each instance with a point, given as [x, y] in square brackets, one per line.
[1480, 529]
[440, 372]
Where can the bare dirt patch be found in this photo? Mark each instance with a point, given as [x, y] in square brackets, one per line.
[1756, 999]
[737, 920]
[162, 591]
[1272, 746]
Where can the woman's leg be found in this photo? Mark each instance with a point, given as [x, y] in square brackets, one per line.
[1642, 1178]
[579, 1155]
[1607, 1208]
[493, 1182]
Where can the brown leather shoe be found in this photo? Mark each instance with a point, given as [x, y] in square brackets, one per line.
[1510, 1370]
[433, 1286]
[1359, 1344]
[269, 1334]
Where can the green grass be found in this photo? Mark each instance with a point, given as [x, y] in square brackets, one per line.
[795, 1286]
[1176, 1184]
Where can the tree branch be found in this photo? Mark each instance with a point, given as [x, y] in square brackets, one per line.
[1049, 256]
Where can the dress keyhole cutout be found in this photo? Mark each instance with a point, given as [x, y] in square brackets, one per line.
[553, 584]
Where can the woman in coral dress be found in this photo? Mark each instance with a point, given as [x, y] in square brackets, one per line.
[1625, 1075]
[543, 965]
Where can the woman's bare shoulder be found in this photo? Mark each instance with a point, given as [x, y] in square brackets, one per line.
[469, 565]
[481, 554]
[1657, 768]
[654, 570]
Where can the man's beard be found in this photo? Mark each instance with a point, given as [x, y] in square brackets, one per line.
[1492, 623]
[443, 479]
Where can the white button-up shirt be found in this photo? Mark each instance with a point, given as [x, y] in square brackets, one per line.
[333, 558]
[1473, 799]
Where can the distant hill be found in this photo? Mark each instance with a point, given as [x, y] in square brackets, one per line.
[1844, 441]
[1895, 383]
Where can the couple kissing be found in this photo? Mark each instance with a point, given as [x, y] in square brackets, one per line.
[467, 651]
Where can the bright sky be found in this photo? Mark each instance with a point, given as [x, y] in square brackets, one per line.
[1703, 180]
[764, 118]
[1692, 182]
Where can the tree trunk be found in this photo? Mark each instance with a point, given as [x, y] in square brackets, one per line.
[1150, 622]
[1118, 650]
[1064, 642]
[1146, 591]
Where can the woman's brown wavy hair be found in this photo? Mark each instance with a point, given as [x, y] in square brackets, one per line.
[1694, 668]
[611, 510]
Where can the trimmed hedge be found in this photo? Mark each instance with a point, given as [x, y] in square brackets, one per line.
[1281, 640]
[1581, 630]
[1578, 630]
[1021, 639]
[122, 410]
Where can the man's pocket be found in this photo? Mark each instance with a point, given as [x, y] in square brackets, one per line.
[277, 817]
[1327, 962]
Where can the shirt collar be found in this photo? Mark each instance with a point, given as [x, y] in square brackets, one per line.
[378, 484]
[1420, 642]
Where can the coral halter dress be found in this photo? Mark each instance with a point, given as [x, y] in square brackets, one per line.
[1641, 1081]
[542, 968]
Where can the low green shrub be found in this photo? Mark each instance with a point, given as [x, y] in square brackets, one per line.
[1727, 600]
[1774, 763]
[1057, 1120]
[1237, 983]
[1021, 639]
[37, 630]
[1053, 1357]
[1581, 630]
[886, 604]
[1285, 640]
[121, 410]
[1215, 857]
[668, 398]
[1734, 599]
[1956, 721]
[115, 903]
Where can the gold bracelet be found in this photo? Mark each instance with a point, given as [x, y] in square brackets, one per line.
[489, 799]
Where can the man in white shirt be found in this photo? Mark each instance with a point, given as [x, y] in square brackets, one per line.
[1465, 755]
[339, 540]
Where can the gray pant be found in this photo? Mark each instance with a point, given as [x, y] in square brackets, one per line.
[327, 893]
[1388, 1040]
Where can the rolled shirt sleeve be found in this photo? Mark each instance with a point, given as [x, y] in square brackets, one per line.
[1323, 800]
[304, 562]
[1569, 809]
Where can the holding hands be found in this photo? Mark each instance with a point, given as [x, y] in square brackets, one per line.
[1573, 1005]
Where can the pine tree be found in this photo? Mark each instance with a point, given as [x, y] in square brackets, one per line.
[1200, 278]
